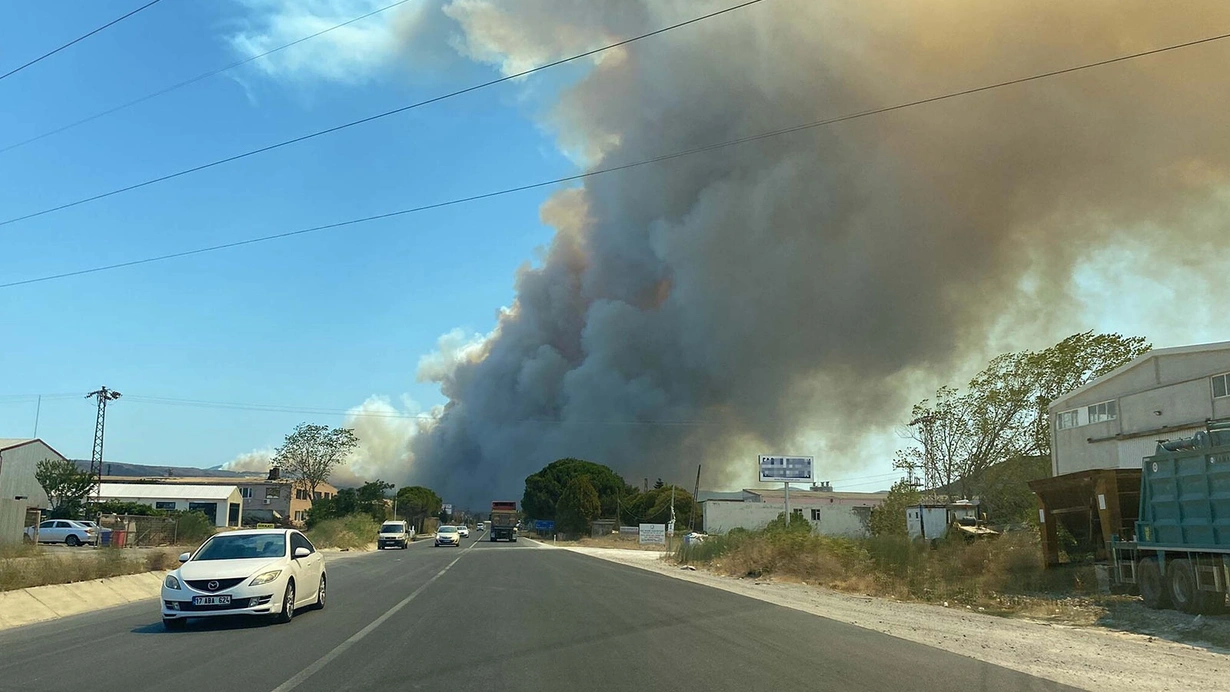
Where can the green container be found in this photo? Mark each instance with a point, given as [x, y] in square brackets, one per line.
[1185, 493]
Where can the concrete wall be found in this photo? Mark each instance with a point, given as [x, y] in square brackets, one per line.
[721, 516]
[1167, 396]
[221, 507]
[17, 467]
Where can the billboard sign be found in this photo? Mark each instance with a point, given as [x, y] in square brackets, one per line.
[785, 469]
[544, 526]
[654, 534]
[448, 509]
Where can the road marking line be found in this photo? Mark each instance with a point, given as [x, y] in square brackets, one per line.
[355, 638]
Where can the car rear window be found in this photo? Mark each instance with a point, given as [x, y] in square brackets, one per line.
[392, 528]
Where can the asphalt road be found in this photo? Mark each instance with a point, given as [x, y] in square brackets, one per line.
[490, 616]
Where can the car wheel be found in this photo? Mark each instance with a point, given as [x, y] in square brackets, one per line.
[174, 623]
[1153, 591]
[72, 541]
[320, 595]
[288, 604]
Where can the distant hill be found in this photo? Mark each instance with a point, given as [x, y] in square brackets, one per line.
[118, 468]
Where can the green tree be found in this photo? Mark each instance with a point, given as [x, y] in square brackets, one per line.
[416, 503]
[66, 485]
[370, 499]
[311, 452]
[654, 507]
[544, 488]
[888, 519]
[578, 506]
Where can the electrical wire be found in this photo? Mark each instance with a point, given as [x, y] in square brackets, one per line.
[44, 56]
[194, 80]
[371, 118]
[601, 171]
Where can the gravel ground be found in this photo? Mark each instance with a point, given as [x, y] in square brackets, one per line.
[1092, 658]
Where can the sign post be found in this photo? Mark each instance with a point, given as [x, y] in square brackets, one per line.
[786, 470]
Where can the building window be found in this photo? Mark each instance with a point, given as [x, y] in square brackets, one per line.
[300, 515]
[317, 494]
[1066, 419]
[301, 494]
[245, 492]
[1221, 385]
[1107, 410]
[164, 505]
[273, 491]
[815, 515]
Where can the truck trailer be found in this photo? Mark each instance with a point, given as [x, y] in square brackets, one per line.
[1179, 553]
[503, 521]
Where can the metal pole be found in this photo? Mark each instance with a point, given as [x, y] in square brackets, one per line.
[786, 495]
[38, 408]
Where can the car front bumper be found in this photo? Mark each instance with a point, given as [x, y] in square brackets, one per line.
[265, 599]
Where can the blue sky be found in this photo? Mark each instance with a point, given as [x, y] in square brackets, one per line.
[320, 321]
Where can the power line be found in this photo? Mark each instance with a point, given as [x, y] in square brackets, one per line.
[597, 172]
[76, 40]
[194, 80]
[371, 118]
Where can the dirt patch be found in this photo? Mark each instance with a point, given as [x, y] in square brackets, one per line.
[1097, 656]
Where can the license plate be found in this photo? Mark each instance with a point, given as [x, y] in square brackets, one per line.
[211, 600]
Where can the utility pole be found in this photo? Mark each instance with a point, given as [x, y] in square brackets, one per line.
[38, 408]
[103, 395]
[695, 501]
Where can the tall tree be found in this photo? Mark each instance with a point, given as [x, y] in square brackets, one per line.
[417, 503]
[578, 506]
[888, 518]
[544, 488]
[311, 452]
[66, 484]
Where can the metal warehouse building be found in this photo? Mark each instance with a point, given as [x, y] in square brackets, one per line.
[19, 489]
[221, 503]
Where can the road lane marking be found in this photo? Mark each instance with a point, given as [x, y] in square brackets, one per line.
[355, 638]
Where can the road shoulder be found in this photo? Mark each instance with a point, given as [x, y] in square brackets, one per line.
[1085, 657]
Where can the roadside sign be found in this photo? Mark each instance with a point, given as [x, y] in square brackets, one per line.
[448, 509]
[785, 469]
[654, 534]
[629, 530]
[544, 526]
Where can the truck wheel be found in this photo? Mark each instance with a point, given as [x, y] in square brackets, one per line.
[1212, 603]
[1183, 592]
[1152, 589]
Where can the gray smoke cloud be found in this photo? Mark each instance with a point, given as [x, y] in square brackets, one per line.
[794, 294]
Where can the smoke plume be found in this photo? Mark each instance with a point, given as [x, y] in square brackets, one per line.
[792, 294]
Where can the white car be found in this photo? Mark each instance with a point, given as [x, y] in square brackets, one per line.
[64, 531]
[464, 531]
[448, 535]
[258, 572]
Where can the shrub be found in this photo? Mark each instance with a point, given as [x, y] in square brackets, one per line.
[353, 531]
[193, 527]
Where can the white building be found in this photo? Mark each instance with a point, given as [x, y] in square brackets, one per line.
[1117, 419]
[19, 489]
[830, 513]
[223, 504]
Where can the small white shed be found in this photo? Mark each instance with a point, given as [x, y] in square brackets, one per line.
[223, 504]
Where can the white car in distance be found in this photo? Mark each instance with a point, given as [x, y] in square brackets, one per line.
[448, 535]
[257, 572]
[64, 531]
[464, 531]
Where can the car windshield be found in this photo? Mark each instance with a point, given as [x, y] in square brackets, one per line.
[448, 529]
[243, 547]
[391, 528]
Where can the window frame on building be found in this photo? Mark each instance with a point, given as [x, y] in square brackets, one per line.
[815, 514]
[1109, 411]
[272, 492]
[245, 491]
[1072, 415]
[167, 505]
[1225, 385]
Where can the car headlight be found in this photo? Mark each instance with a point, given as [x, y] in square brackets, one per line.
[171, 582]
[265, 577]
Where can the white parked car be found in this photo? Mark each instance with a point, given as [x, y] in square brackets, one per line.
[258, 572]
[464, 531]
[64, 531]
[448, 535]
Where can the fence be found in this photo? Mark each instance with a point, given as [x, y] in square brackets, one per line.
[141, 531]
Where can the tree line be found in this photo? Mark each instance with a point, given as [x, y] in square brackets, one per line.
[574, 492]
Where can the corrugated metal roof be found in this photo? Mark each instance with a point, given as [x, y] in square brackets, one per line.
[7, 442]
[160, 491]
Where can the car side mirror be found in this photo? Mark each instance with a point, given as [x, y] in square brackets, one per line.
[183, 557]
[302, 552]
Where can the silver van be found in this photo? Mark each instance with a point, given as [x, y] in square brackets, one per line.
[394, 533]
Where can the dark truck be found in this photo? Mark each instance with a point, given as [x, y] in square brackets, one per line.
[503, 521]
[1179, 555]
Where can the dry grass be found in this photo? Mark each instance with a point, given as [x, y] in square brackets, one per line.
[357, 531]
[41, 568]
[612, 541]
[1003, 576]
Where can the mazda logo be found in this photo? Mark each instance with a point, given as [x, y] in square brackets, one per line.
[212, 586]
